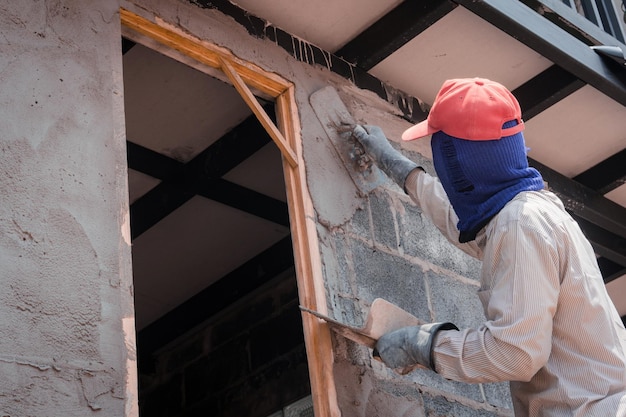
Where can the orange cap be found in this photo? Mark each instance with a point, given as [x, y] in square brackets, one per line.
[472, 109]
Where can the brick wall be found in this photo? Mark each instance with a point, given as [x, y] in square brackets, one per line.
[248, 360]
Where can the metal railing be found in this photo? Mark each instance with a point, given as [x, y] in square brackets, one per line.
[602, 13]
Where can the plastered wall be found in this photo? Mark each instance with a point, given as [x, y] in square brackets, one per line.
[66, 317]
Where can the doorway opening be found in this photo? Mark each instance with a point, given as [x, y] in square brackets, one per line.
[216, 300]
[188, 179]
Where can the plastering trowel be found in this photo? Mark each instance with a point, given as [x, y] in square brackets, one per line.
[338, 124]
[383, 317]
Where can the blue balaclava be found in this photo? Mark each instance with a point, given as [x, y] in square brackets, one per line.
[480, 177]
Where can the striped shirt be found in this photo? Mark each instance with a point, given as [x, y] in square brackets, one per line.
[551, 328]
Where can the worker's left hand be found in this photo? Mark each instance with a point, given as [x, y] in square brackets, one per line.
[409, 347]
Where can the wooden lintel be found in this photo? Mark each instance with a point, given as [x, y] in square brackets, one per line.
[204, 52]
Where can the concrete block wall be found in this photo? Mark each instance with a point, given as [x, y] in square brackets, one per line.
[388, 249]
[248, 360]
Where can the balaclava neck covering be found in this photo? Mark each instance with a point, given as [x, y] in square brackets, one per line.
[480, 177]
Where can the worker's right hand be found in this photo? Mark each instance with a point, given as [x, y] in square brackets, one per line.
[408, 347]
[390, 161]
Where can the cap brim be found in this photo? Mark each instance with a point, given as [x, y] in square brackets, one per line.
[417, 131]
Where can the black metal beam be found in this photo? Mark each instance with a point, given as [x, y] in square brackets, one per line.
[244, 199]
[202, 176]
[156, 205]
[127, 45]
[533, 30]
[610, 270]
[232, 149]
[607, 175]
[585, 202]
[243, 280]
[153, 163]
[545, 89]
[605, 243]
[392, 31]
[169, 195]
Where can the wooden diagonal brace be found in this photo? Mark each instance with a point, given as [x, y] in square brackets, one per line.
[253, 103]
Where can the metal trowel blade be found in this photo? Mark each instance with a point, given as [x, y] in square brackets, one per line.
[383, 317]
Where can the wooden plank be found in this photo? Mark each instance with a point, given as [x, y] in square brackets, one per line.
[253, 103]
[308, 266]
[204, 52]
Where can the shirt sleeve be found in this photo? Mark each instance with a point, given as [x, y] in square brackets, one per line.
[519, 294]
[428, 194]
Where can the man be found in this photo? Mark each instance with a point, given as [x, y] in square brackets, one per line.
[551, 329]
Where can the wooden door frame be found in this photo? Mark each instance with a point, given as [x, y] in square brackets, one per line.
[286, 134]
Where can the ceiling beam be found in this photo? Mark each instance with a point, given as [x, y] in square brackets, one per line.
[531, 28]
[602, 220]
[202, 176]
[232, 149]
[610, 270]
[245, 199]
[127, 45]
[156, 205]
[585, 202]
[153, 163]
[219, 295]
[545, 89]
[392, 31]
[605, 243]
[606, 175]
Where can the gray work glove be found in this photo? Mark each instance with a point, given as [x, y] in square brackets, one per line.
[408, 347]
[390, 161]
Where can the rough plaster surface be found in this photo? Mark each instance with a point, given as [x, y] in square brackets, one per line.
[65, 264]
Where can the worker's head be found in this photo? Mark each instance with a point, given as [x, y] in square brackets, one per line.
[478, 149]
